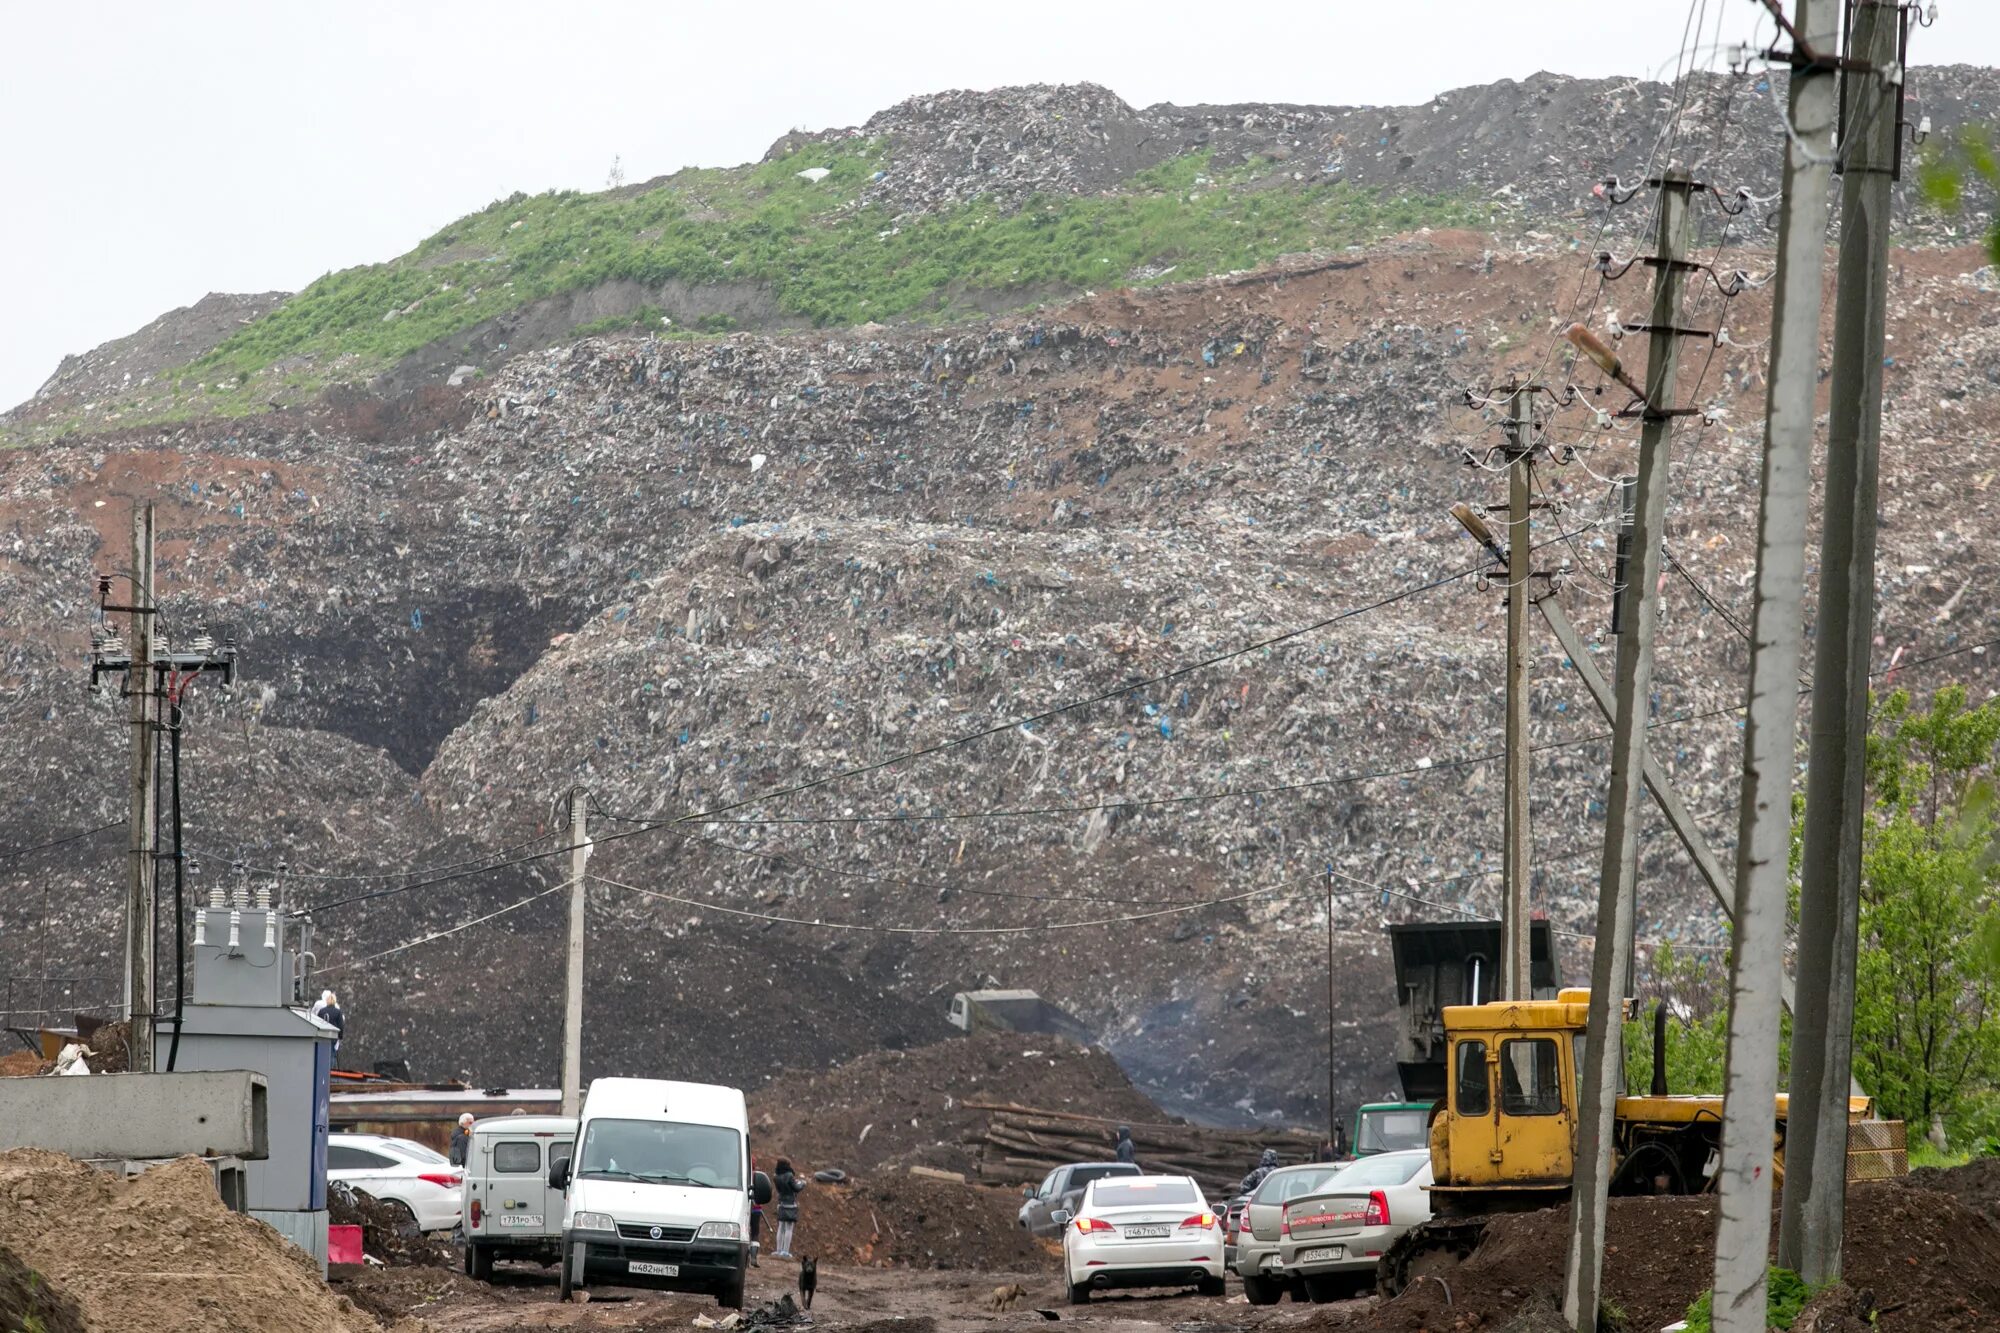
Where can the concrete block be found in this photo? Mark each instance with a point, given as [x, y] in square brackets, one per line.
[216, 1114]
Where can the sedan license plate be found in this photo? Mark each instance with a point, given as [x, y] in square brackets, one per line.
[653, 1270]
[520, 1219]
[1146, 1233]
[1324, 1254]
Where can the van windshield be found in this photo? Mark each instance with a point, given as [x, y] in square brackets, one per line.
[663, 1152]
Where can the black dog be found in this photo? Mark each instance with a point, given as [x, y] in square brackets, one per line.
[808, 1280]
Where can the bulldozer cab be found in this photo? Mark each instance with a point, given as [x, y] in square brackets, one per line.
[1510, 1116]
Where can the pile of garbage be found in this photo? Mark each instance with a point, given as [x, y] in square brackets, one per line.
[157, 1251]
[388, 1235]
[682, 574]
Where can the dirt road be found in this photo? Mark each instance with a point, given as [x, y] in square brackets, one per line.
[872, 1299]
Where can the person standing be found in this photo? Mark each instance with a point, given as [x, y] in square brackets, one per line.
[788, 1185]
[330, 1014]
[1126, 1151]
[756, 1220]
[461, 1140]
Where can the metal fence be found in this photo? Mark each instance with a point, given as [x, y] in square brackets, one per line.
[1877, 1149]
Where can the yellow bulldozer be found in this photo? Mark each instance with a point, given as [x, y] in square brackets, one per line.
[1503, 1134]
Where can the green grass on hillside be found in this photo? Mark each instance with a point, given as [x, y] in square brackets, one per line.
[825, 258]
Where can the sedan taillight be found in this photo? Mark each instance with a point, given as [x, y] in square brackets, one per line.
[1377, 1214]
[448, 1179]
[1086, 1225]
[1285, 1220]
[1200, 1222]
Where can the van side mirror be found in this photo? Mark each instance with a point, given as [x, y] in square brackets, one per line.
[559, 1174]
[760, 1188]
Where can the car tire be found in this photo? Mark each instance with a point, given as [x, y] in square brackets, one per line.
[1262, 1291]
[730, 1297]
[1296, 1288]
[1323, 1290]
[406, 1217]
[1212, 1286]
[479, 1261]
[1079, 1293]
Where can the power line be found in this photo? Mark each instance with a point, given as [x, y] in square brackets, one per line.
[440, 934]
[62, 841]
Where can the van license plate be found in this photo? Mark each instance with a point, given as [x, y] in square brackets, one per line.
[653, 1270]
[1320, 1256]
[520, 1219]
[1146, 1233]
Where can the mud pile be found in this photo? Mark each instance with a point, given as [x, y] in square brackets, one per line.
[903, 1221]
[903, 1108]
[27, 1301]
[1976, 1184]
[159, 1252]
[1926, 1262]
[382, 1230]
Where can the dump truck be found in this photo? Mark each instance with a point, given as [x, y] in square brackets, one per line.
[1503, 1135]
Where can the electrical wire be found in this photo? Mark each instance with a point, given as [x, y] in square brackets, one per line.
[440, 934]
[62, 841]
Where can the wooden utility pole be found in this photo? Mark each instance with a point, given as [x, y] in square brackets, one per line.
[140, 896]
[579, 855]
[1516, 969]
[1764, 820]
[1611, 963]
[1836, 793]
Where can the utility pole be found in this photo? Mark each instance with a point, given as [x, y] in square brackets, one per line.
[579, 855]
[1332, 1113]
[1516, 971]
[1764, 822]
[140, 895]
[1830, 875]
[1604, 1050]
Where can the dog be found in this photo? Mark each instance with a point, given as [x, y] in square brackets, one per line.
[1006, 1298]
[808, 1280]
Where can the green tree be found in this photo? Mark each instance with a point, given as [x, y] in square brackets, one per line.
[1950, 170]
[1927, 989]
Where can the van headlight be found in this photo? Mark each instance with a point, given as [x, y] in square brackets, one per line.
[720, 1231]
[592, 1222]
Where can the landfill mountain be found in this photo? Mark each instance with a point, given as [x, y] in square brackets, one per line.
[957, 204]
[1160, 581]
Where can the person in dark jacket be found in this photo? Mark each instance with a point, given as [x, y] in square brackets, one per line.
[787, 1185]
[1267, 1162]
[1126, 1151]
[461, 1140]
[331, 1014]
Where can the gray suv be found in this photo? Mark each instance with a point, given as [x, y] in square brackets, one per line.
[1060, 1191]
[1256, 1261]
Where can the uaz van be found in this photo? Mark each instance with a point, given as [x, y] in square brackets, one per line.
[659, 1189]
[508, 1209]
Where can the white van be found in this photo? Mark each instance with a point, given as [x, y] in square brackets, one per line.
[507, 1207]
[658, 1191]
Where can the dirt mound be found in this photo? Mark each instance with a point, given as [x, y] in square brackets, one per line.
[1921, 1259]
[27, 1301]
[384, 1232]
[391, 1293]
[159, 1251]
[1975, 1184]
[908, 1221]
[912, 1104]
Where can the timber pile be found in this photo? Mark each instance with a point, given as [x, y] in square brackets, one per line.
[1021, 1144]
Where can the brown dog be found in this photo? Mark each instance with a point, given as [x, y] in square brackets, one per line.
[1006, 1298]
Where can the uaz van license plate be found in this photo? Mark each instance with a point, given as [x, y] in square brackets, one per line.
[652, 1270]
[520, 1219]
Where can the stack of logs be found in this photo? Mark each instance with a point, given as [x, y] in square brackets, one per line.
[1022, 1144]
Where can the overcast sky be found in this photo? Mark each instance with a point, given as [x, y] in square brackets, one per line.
[154, 152]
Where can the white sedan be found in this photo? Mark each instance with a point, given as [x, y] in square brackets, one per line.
[1144, 1231]
[1333, 1236]
[407, 1176]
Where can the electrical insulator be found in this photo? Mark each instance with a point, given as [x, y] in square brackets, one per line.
[270, 928]
[235, 927]
[200, 927]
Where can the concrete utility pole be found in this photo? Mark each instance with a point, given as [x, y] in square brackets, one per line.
[1764, 827]
[579, 855]
[1332, 1114]
[1604, 1051]
[140, 897]
[1516, 974]
[1830, 874]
